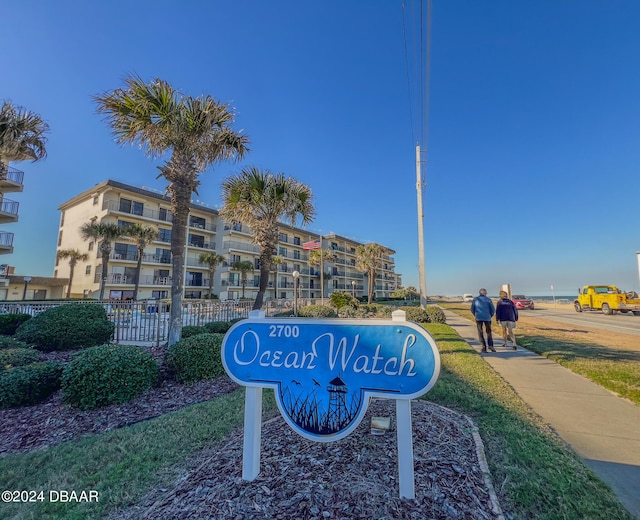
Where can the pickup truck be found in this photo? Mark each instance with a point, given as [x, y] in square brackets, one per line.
[607, 298]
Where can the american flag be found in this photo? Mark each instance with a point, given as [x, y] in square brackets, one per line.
[312, 244]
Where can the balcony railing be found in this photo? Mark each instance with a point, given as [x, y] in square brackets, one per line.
[6, 239]
[13, 175]
[240, 246]
[206, 227]
[9, 206]
[114, 205]
[204, 245]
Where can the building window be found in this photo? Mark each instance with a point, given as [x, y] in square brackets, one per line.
[95, 200]
[283, 237]
[296, 241]
[196, 240]
[130, 206]
[282, 251]
[296, 254]
[165, 235]
[163, 214]
[91, 244]
[157, 295]
[40, 294]
[193, 294]
[62, 219]
[60, 238]
[125, 223]
[163, 256]
[87, 270]
[197, 222]
[234, 258]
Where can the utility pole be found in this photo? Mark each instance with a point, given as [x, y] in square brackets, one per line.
[421, 268]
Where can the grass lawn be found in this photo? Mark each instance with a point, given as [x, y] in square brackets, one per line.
[535, 474]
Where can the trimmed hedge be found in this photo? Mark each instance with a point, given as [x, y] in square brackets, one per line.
[192, 330]
[196, 358]
[436, 314]
[416, 314]
[10, 322]
[15, 357]
[29, 384]
[11, 342]
[316, 311]
[217, 327]
[108, 374]
[67, 327]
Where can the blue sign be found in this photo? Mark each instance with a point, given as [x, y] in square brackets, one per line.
[324, 371]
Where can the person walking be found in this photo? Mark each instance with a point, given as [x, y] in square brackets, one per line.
[507, 315]
[483, 310]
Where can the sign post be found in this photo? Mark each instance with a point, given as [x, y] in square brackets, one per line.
[324, 373]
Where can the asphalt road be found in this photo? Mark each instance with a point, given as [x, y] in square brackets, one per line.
[623, 323]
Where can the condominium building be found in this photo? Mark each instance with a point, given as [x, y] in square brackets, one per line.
[124, 205]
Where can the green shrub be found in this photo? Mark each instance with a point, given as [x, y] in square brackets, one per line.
[340, 299]
[417, 314]
[375, 310]
[29, 384]
[195, 358]
[192, 330]
[316, 311]
[67, 327]
[436, 314]
[11, 342]
[217, 327]
[108, 374]
[15, 357]
[10, 322]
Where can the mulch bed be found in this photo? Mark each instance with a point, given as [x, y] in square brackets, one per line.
[354, 478]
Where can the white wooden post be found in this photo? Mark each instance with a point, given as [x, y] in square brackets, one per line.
[252, 432]
[252, 425]
[405, 436]
[405, 448]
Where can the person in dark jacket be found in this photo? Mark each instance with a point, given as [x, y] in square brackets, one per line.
[483, 310]
[507, 315]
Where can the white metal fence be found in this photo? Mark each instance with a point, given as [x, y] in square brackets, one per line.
[148, 321]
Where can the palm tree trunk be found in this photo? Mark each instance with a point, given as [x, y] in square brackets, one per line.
[138, 269]
[105, 272]
[211, 284]
[180, 198]
[72, 267]
[372, 276]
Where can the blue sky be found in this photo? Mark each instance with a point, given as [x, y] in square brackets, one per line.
[532, 174]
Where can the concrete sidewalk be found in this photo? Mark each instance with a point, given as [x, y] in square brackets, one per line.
[602, 429]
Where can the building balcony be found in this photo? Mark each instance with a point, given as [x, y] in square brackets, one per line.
[229, 245]
[238, 228]
[113, 206]
[238, 283]
[205, 227]
[203, 245]
[6, 243]
[11, 180]
[197, 283]
[8, 211]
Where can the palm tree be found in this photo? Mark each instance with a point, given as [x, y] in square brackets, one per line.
[212, 260]
[369, 260]
[276, 260]
[74, 257]
[105, 234]
[261, 199]
[244, 267]
[142, 236]
[197, 132]
[318, 257]
[21, 136]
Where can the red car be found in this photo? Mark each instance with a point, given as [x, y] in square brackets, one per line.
[522, 302]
